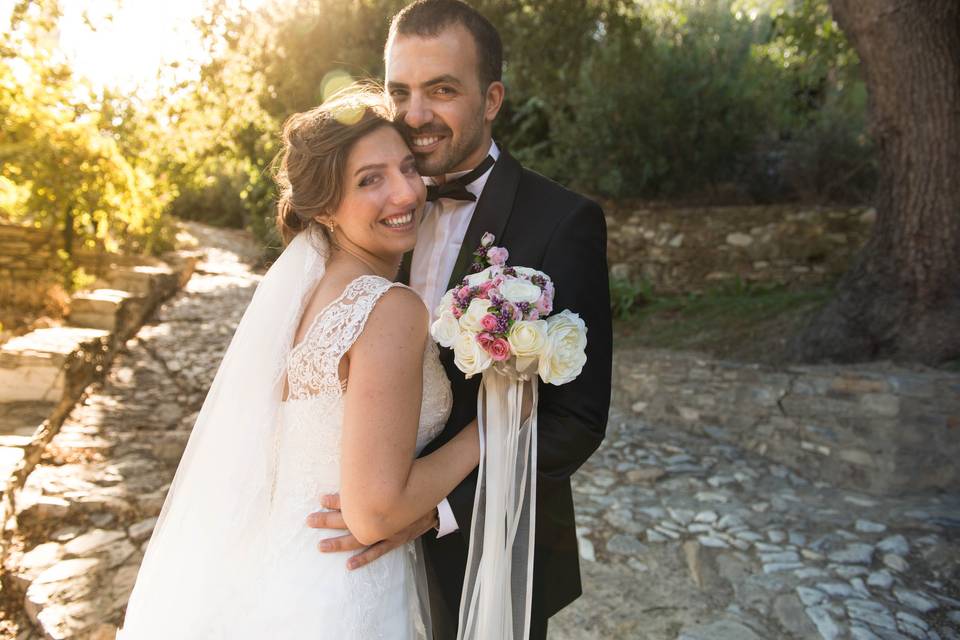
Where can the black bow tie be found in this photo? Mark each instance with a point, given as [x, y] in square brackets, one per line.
[457, 189]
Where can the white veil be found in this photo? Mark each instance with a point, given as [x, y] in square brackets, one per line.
[203, 552]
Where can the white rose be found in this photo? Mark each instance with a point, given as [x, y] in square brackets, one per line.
[564, 355]
[445, 329]
[469, 356]
[527, 340]
[476, 279]
[470, 320]
[445, 305]
[527, 272]
[519, 290]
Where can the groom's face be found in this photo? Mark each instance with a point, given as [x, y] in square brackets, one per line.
[443, 112]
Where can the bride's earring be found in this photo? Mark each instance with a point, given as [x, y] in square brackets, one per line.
[329, 223]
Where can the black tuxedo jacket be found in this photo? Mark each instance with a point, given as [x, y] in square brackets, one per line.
[546, 227]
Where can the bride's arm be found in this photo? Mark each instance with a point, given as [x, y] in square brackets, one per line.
[383, 487]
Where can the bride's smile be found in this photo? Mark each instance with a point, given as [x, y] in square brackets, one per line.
[377, 216]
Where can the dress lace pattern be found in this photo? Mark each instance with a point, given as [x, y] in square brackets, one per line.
[302, 587]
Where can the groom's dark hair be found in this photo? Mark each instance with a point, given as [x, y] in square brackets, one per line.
[427, 18]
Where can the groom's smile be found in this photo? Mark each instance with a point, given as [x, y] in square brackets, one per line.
[434, 83]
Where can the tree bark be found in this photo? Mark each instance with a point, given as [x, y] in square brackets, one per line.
[901, 298]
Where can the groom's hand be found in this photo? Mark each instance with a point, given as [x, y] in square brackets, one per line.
[333, 519]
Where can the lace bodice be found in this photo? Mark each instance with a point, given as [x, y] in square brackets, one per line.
[308, 454]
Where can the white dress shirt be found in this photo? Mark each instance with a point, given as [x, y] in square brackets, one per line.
[439, 239]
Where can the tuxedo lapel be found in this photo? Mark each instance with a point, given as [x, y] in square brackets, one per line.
[492, 212]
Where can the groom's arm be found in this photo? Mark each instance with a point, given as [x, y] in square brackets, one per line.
[571, 418]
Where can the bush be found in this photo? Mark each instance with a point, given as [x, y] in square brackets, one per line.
[698, 99]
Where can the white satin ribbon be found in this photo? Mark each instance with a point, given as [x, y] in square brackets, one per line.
[498, 584]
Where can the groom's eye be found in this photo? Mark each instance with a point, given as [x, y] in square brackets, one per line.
[445, 91]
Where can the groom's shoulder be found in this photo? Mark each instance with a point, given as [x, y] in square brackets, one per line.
[534, 185]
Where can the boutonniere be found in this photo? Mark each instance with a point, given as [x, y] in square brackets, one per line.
[488, 255]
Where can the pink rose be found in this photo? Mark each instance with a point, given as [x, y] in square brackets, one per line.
[497, 256]
[485, 340]
[489, 322]
[464, 293]
[533, 314]
[499, 349]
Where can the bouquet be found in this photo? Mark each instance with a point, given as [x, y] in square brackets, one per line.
[499, 322]
[500, 316]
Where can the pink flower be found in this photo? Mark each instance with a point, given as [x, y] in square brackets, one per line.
[497, 255]
[489, 322]
[464, 293]
[499, 349]
[485, 340]
[457, 312]
[533, 314]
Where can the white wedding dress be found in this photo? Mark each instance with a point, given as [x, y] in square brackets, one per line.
[305, 593]
[243, 567]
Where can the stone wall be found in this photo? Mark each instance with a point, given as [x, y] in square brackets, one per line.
[874, 427]
[30, 254]
[26, 253]
[695, 249]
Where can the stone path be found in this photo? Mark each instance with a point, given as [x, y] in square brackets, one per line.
[88, 508]
[681, 537]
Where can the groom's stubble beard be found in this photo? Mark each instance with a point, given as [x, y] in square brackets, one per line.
[444, 160]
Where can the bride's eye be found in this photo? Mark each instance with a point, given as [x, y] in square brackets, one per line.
[369, 179]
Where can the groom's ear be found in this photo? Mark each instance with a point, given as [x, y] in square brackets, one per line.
[493, 101]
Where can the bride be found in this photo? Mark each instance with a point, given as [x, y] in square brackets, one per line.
[330, 384]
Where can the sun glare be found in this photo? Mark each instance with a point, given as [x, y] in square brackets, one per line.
[123, 44]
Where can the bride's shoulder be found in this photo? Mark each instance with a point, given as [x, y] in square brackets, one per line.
[398, 315]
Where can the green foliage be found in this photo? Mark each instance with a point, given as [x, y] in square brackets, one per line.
[661, 99]
[736, 319]
[63, 164]
[680, 98]
[624, 295]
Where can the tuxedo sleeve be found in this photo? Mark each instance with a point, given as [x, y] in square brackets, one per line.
[571, 418]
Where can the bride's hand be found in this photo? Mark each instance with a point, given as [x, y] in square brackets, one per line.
[334, 520]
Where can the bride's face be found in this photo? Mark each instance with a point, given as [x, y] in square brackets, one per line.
[383, 194]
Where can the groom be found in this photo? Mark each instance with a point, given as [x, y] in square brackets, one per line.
[443, 74]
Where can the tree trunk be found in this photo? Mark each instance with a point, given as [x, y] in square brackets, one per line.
[901, 298]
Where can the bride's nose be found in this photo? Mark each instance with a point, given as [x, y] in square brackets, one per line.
[403, 192]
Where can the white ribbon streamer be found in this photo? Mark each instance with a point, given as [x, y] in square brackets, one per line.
[498, 585]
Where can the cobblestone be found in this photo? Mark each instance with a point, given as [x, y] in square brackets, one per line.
[776, 556]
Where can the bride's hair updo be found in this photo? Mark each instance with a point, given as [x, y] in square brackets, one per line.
[316, 144]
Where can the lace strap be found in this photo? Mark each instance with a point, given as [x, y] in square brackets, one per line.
[359, 299]
[315, 362]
